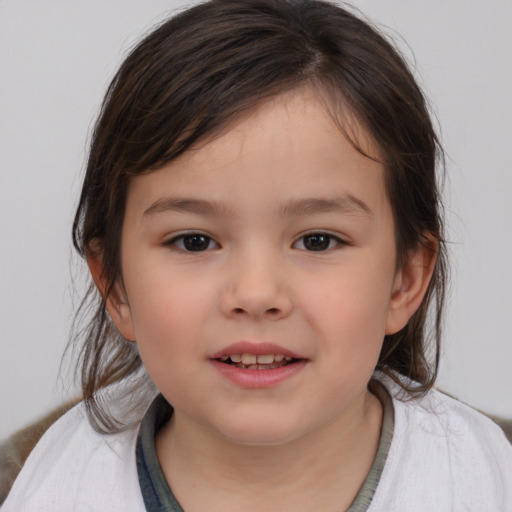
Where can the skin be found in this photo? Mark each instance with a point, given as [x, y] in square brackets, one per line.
[228, 447]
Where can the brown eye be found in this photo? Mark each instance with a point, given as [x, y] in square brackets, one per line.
[195, 242]
[317, 242]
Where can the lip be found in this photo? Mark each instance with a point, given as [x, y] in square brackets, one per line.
[258, 378]
[258, 349]
[264, 378]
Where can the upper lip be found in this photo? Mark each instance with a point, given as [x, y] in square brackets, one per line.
[258, 349]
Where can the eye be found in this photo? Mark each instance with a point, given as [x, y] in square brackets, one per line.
[194, 242]
[318, 242]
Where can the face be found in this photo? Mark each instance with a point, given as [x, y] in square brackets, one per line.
[259, 275]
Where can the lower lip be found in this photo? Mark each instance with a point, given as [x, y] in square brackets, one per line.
[258, 378]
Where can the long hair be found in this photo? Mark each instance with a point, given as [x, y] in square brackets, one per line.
[194, 74]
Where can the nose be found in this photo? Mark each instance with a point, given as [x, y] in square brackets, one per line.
[256, 289]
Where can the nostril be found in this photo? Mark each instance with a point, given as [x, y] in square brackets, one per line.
[269, 311]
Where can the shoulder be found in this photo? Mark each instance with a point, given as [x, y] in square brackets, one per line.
[445, 454]
[74, 465]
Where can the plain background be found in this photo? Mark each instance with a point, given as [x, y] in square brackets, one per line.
[56, 59]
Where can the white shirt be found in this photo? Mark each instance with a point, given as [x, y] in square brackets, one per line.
[444, 457]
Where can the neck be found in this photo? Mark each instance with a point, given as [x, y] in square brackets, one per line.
[321, 470]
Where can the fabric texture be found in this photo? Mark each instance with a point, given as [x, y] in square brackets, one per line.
[156, 492]
[15, 450]
[443, 456]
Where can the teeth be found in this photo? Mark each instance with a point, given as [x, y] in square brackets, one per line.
[249, 359]
[265, 359]
[252, 360]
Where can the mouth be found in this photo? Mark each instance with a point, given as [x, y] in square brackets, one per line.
[257, 365]
[248, 361]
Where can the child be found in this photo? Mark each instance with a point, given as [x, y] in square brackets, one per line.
[261, 218]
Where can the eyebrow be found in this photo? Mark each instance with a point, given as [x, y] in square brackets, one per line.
[187, 205]
[348, 204]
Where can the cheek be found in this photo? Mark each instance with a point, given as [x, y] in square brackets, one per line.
[162, 295]
[350, 327]
[168, 328]
[350, 313]
[168, 312]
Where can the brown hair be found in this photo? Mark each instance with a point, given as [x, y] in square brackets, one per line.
[198, 70]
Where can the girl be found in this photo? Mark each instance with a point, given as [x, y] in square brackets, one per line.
[261, 219]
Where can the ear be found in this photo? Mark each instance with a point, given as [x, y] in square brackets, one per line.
[411, 283]
[116, 301]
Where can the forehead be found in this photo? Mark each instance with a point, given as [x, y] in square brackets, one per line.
[286, 148]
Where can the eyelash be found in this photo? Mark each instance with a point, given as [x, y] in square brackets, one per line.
[180, 242]
[320, 236]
